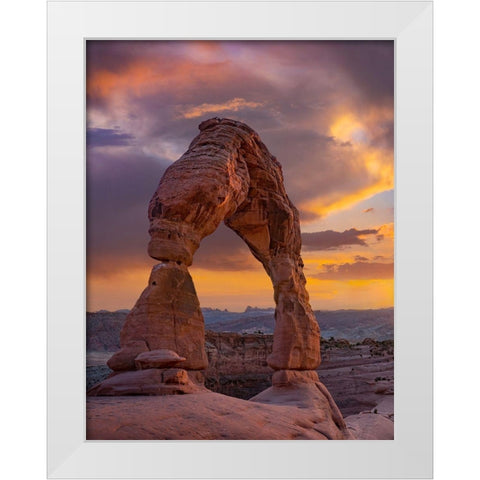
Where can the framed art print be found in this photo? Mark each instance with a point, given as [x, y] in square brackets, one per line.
[240, 239]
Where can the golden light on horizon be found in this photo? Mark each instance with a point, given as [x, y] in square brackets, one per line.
[335, 202]
[375, 293]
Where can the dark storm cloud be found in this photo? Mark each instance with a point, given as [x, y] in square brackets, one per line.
[312, 164]
[331, 240]
[356, 271]
[115, 55]
[370, 64]
[101, 137]
[119, 188]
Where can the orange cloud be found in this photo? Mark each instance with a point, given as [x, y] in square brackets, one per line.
[147, 76]
[359, 270]
[374, 164]
[324, 205]
[102, 83]
[232, 105]
[366, 160]
[347, 127]
[386, 231]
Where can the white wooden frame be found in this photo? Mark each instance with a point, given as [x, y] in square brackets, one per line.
[409, 23]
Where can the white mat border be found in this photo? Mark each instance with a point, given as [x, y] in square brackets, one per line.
[410, 454]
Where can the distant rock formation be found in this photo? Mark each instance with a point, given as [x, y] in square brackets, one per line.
[103, 327]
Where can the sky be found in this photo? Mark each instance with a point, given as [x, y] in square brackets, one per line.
[325, 109]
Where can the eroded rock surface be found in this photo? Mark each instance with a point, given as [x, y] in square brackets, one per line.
[228, 174]
[211, 416]
[153, 381]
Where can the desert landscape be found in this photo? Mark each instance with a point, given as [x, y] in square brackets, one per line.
[358, 374]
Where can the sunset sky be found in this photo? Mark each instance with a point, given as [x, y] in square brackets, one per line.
[324, 109]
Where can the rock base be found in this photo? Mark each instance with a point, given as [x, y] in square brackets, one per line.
[206, 416]
[154, 381]
[302, 391]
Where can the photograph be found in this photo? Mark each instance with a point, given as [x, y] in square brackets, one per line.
[240, 210]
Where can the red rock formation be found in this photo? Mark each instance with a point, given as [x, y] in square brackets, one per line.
[167, 316]
[211, 416]
[228, 174]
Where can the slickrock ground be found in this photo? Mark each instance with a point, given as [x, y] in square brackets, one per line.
[359, 377]
[207, 416]
[294, 413]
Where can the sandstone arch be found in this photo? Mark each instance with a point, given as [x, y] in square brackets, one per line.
[227, 174]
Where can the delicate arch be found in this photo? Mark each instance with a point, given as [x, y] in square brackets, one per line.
[227, 174]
